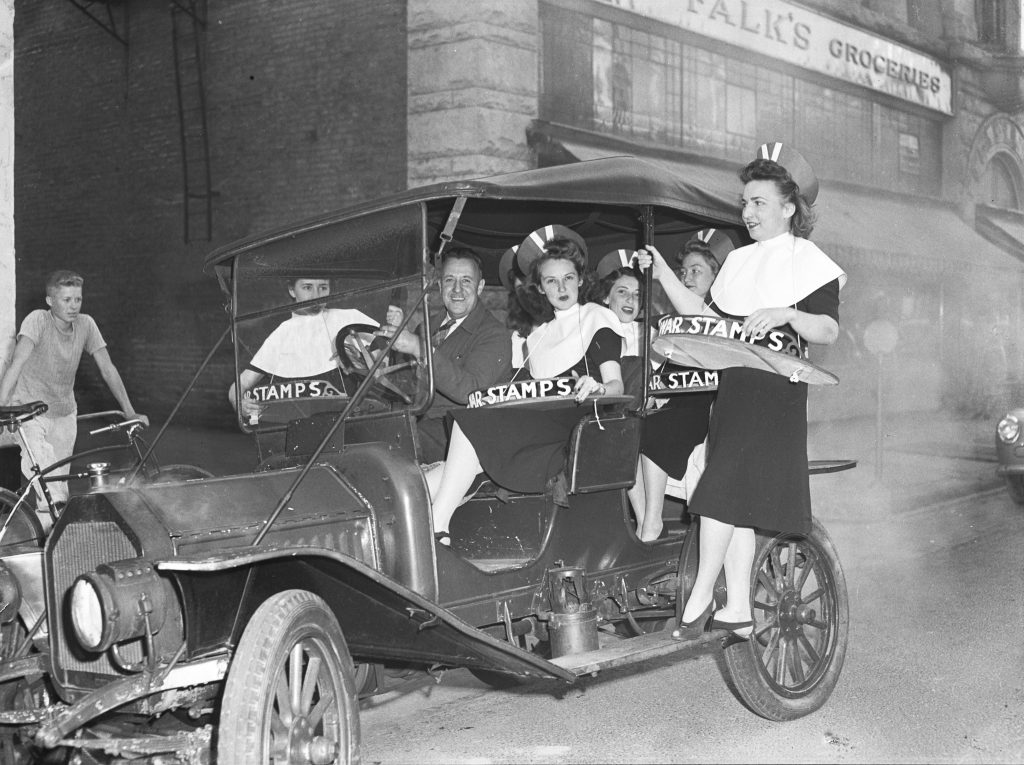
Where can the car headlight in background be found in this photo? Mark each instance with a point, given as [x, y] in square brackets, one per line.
[112, 604]
[1008, 429]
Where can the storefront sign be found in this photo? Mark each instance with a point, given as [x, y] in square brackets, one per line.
[793, 34]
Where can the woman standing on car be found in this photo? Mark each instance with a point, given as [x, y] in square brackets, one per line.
[520, 449]
[756, 474]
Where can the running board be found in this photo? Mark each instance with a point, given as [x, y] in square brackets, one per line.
[632, 650]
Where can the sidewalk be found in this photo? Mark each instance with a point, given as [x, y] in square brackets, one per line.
[925, 457]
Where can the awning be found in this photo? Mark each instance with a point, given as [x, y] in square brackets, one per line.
[900, 232]
[1004, 228]
[897, 232]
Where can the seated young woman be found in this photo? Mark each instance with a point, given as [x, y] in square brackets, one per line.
[672, 432]
[526, 308]
[522, 449]
[618, 287]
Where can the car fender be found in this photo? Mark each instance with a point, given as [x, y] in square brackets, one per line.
[382, 620]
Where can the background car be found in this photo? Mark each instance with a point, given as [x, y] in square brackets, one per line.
[1010, 453]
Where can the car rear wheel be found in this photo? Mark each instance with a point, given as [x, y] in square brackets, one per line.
[1015, 487]
[791, 665]
[290, 695]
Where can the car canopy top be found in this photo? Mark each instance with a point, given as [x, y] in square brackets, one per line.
[614, 202]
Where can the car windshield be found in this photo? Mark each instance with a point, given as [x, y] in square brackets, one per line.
[308, 310]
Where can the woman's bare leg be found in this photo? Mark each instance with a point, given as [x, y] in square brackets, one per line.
[715, 537]
[655, 480]
[460, 468]
[739, 559]
[638, 497]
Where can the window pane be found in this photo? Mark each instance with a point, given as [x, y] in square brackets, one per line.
[910, 154]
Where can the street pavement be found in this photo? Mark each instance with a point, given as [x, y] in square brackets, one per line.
[905, 462]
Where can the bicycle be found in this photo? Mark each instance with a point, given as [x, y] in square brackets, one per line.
[20, 520]
[23, 528]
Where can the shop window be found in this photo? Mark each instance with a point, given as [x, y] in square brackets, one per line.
[1000, 184]
[740, 111]
[566, 70]
[991, 20]
[910, 154]
[842, 149]
[652, 83]
[999, 24]
[635, 82]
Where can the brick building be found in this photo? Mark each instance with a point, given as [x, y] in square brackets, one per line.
[135, 157]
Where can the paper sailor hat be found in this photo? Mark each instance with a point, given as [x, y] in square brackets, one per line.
[615, 260]
[715, 239]
[799, 168]
[508, 268]
[533, 246]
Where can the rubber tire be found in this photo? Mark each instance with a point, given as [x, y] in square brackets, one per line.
[1015, 488]
[289, 620]
[753, 681]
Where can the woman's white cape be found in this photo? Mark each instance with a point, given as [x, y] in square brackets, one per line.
[303, 346]
[557, 345]
[775, 273]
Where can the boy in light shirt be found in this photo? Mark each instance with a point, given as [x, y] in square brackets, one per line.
[46, 358]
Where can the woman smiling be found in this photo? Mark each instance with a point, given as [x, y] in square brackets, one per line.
[521, 450]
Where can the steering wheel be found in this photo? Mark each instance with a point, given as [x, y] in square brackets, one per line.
[356, 357]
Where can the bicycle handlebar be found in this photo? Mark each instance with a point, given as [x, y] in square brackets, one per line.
[117, 426]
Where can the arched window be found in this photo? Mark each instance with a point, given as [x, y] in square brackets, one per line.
[1001, 184]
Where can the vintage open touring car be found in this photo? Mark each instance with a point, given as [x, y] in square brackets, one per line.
[244, 615]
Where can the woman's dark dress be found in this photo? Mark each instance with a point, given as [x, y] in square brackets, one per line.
[756, 472]
[672, 432]
[520, 448]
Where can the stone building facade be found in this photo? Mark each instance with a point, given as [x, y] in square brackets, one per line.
[911, 112]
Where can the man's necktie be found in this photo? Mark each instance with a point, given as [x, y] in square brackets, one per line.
[441, 333]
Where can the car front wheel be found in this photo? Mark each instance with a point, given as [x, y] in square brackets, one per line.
[290, 695]
[791, 664]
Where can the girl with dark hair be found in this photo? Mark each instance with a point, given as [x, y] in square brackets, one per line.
[623, 293]
[520, 449]
[756, 474]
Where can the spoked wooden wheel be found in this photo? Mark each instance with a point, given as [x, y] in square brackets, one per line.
[290, 694]
[790, 666]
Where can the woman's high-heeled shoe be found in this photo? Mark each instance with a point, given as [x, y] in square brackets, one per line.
[733, 627]
[694, 629]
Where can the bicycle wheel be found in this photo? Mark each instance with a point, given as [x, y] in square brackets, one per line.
[24, 528]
